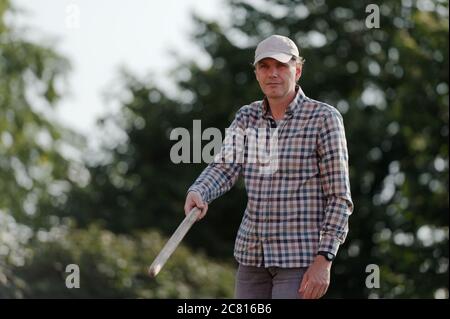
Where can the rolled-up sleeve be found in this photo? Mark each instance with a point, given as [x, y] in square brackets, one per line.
[334, 175]
[221, 174]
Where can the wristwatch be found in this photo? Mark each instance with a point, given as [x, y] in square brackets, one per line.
[328, 256]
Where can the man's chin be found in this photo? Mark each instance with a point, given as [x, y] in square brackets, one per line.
[271, 92]
[273, 95]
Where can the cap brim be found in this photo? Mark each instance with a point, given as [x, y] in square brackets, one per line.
[282, 57]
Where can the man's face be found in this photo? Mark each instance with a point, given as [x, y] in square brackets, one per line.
[277, 79]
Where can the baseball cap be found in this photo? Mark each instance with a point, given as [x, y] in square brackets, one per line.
[277, 47]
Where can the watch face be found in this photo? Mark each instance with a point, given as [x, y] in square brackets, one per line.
[330, 256]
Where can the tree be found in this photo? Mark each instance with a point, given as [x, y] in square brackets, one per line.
[35, 173]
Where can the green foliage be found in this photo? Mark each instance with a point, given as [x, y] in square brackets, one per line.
[34, 172]
[114, 266]
[33, 169]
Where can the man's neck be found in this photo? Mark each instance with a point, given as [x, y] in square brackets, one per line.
[279, 106]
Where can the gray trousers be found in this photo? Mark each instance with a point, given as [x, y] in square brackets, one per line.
[267, 283]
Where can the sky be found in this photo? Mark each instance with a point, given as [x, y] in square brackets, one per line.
[100, 36]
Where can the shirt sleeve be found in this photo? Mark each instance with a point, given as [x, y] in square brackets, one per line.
[221, 174]
[334, 175]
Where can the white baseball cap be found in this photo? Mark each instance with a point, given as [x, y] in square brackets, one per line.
[277, 47]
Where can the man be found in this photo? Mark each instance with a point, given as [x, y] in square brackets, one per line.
[297, 214]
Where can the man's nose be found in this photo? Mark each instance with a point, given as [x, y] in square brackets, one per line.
[273, 72]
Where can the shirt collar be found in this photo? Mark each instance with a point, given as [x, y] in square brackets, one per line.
[292, 108]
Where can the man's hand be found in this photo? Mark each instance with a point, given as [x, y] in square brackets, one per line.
[193, 199]
[316, 279]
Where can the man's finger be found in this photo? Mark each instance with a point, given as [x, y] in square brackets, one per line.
[306, 291]
[311, 292]
[315, 291]
[323, 291]
[199, 202]
[189, 206]
[303, 284]
[203, 213]
[200, 205]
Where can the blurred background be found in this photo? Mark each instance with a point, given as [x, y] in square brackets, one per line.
[90, 91]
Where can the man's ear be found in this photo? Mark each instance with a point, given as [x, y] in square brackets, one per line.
[298, 72]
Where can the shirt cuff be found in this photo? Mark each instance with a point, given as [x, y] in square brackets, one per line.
[329, 244]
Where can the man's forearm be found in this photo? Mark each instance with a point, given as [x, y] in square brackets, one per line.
[215, 180]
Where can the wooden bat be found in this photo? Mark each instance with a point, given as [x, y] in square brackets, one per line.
[173, 242]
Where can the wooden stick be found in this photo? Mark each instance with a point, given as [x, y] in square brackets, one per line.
[173, 242]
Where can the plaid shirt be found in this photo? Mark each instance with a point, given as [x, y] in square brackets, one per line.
[303, 206]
